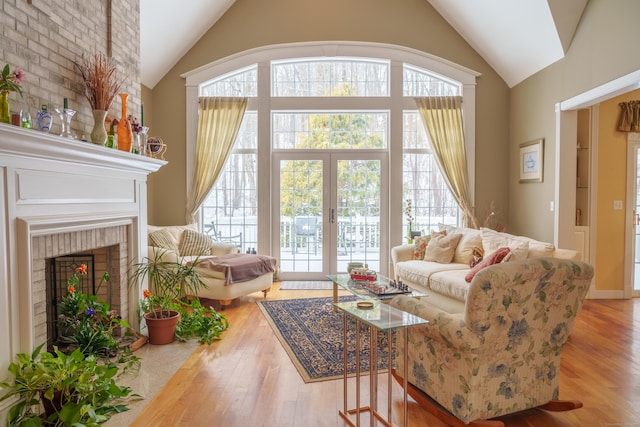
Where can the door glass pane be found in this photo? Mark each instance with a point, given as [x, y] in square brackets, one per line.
[301, 215]
[358, 213]
[636, 281]
[323, 131]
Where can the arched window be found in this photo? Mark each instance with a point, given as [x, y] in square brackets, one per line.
[359, 101]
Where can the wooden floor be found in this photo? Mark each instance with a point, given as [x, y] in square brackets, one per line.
[247, 379]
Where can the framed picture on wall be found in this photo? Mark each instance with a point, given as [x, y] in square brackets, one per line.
[532, 161]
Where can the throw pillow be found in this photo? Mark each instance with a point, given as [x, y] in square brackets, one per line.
[195, 244]
[441, 248]
[162, 239]
[517, 251]
[497, 238]
[494, 258]
[420, 244]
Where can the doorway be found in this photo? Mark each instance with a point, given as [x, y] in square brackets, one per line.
[330, 209]
[632, 229]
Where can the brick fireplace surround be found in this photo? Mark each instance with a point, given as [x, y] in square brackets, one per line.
[60, 197]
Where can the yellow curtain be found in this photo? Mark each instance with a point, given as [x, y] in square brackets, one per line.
[219, 121]
[442, 118]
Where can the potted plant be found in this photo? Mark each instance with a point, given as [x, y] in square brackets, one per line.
[63, 389]
[166, 307]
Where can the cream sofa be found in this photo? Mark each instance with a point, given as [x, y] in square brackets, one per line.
[444, 280]
[185, 243]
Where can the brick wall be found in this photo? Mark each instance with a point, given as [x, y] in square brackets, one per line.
[45, 37]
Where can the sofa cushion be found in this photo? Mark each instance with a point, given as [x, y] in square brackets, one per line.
[471, 238]
[418, 272]
[497, 239]
[195, 243]
[493, 258]
[162, 239]
[441, 248]
[450, 283]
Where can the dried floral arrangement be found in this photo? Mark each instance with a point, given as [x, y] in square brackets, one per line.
[99, 77]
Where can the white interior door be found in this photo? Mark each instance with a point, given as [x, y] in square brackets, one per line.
[328, 212]
[632, 240]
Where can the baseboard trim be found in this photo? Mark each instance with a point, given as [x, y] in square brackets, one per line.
[606, 294]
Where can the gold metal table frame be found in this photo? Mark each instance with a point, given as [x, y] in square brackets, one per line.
[381, 317]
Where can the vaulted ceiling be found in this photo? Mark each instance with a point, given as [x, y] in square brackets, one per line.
[517, 38]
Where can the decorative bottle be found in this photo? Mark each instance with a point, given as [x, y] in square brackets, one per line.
[125, 135]
[112, 137]
[44, 119]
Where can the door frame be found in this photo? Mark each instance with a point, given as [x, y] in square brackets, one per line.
[330, 160]
[633, 146]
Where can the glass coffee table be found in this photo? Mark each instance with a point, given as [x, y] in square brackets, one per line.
[363, 289]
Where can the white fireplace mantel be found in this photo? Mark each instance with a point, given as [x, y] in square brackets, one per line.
[53, 185]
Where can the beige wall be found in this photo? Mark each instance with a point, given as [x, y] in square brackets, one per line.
[604, 48]
[44, 38]
[252, 23]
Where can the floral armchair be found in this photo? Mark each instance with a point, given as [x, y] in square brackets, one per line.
[502, 354]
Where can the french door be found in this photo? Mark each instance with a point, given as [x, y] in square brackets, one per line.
[330, 209]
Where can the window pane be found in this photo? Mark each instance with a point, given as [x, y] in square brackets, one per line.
[230, 211]
[354, 130]
[239, 83]
[418, 82]
[423, 184]
[336, 77]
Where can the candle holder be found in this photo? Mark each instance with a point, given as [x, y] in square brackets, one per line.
[65, 122]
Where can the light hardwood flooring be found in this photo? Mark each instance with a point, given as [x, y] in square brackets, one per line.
[247, 379]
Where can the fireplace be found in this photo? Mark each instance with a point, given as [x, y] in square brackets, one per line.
[60, 261]
[62, 197]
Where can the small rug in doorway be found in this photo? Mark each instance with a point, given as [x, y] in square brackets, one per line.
[311, 334]
[308, 285]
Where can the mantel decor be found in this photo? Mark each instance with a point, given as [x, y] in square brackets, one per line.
[100, 88]
[532, 161]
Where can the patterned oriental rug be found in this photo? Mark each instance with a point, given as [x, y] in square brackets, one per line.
[311, 333]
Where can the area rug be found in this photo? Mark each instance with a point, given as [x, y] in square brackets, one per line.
[311, 333]
[309, 285]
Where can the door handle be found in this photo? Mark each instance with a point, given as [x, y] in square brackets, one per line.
[332, 216]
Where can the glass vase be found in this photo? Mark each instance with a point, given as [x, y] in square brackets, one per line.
[125, 135]
[65, 122]
[99, 133]
[5, 114]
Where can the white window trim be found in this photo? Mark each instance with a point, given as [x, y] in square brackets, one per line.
[262, 56]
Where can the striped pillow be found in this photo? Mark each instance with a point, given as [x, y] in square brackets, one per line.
[162, 239]
[195, 244]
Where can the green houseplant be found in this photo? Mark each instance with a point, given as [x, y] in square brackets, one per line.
[63, 389]
[90, 324]
[170, 285]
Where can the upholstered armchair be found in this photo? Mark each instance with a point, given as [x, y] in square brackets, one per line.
[502, 354]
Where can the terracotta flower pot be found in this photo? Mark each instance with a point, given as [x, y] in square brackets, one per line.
[162, 329]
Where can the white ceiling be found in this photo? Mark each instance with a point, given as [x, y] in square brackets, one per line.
[517, 38]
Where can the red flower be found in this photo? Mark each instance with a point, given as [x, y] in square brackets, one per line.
[82, 269]
[147, 293]
[72, 289]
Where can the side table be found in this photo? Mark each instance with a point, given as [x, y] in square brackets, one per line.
[384, 318]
